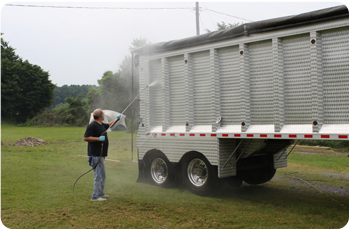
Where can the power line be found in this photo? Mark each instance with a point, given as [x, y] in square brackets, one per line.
[144, 22]
[209, 14]
[123, 8]
[229, 15]
[103, 8]
[277, 8]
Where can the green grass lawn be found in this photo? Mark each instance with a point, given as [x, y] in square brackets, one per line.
[37, 182]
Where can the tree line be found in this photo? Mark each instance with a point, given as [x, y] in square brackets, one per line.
[61, 93]
[29, 98]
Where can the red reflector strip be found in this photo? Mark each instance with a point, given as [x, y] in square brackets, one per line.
[277, 135]
[237, 135]
[263, 135]
[343, 136]
[192, 134]
[213, 135]
[163, 134]
[225, 135]
[250, 135]
[182, 134]
[202, 135]
[308, 136]
[324, 136]
[293, 136]
[172, 134]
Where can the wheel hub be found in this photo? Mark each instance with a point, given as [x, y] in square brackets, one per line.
[197, 172]
[159, 171]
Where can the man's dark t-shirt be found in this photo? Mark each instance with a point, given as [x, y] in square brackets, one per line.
[95, 130]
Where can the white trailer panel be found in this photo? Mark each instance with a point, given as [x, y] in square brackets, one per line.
[240, 97]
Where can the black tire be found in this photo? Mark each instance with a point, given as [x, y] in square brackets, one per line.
[259, 176]
[198, 175]
[160, 170]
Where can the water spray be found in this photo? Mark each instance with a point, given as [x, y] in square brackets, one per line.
[114, 122]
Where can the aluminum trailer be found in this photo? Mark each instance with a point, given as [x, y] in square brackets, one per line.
[229, 103]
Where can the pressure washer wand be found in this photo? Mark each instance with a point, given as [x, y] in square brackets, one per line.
[134, 99]
[116, 120]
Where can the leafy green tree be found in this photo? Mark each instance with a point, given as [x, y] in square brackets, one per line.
[94, 98]
[73, 113]
[224, 26]
[77, 113]
[61, 93]
[138, 42]
[25, 88]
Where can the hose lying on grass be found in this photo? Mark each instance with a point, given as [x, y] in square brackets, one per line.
[296, 178]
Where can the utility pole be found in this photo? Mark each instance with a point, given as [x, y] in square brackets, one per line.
[197, 18]
[132, 109]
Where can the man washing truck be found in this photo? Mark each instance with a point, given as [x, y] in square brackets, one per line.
[96, 135]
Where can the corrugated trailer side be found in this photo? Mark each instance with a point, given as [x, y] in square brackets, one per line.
[228, 104]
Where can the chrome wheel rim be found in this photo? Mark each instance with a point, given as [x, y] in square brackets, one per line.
[159, 171]
[197, 172]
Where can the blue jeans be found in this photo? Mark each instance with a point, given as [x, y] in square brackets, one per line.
[100, 177]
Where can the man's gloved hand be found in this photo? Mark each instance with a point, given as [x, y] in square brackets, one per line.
[118, 117]
[102, 138]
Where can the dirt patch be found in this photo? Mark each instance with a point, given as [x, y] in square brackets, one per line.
[30, 141]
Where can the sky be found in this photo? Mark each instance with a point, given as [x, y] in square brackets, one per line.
[78, 45]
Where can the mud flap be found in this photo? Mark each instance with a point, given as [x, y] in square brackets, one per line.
[142, 172]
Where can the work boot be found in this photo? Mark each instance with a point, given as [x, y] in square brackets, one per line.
[99, 199]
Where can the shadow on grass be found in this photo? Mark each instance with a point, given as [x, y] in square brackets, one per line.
[277, 195]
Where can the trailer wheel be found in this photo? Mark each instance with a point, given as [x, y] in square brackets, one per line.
[199, 175]
[259, 176]
[161, 170]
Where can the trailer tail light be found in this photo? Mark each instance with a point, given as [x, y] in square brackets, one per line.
[308, 136]
[324, 136]
[343, 136]
[292, 136]
[263, 135]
